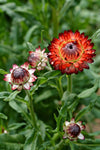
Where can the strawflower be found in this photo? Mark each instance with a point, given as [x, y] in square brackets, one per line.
[71, 52]
[21, 77]
[73, 130]
[38, 59]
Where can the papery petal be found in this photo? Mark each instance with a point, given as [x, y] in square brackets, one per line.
[11, 70]
[67, 123]
[7, 77]
[72, 120]
[30, 52]
[32, 78]
[25, 65]
[81, 136]
[79, 123]
[14, 87]
[31, 71]
[26, 86]
[15, 66]
[82, 127]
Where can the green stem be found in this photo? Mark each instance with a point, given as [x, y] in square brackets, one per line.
[87, 144]
[60, 88]
[71, 145]
[55, 137]
[31, 109]
[69, 83]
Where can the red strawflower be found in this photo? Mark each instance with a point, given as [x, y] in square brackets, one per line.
[71, 52]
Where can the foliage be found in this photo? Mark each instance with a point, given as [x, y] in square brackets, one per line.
[24, 25]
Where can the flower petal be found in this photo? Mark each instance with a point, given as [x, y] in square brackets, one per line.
[31, 71]
[67, 123]
[7, 77]
[25, 65]
[81, 136]
[15, 66]
[72, 120]
[26, 86]
[14, 87]
[32, 78]
[82, 127]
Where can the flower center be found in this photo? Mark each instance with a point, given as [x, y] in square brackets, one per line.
[71, 51]
[33, 60]
[20, 75]
[74, 130]
[70, 47]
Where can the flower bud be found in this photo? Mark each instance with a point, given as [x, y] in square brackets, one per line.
[73, 130]
[21, 77]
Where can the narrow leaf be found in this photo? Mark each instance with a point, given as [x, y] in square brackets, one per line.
[88, 92]
[12, 96]
[3, 116]
[31, 141]
[3, 71]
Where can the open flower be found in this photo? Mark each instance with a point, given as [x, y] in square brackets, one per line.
[38, 59]
[21, 77]
[73, 130]
[71, 52]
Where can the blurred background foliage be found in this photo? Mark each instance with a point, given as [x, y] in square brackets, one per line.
[37, 21]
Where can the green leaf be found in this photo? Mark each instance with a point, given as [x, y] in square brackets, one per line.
[18, 106]
[68, 97]
[12, 96]
[82, 112]
[88, 92]
[31, 141]
[91, 74]
[89, 142]
[3, 1]
[95, 133]
[4, 94]
[40, 81]
[30, 46]
[11, 142]
[86, 109]
[3, 116]
[3, 71]
[42, 129]
[46, 94]
[51, 74]
[15, 126]
[30, 32]
[96, 34]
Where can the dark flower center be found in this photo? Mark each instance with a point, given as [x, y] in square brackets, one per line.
[20, 75]
[70, 47]
[74, 130]
[71, 51]
[33, 60]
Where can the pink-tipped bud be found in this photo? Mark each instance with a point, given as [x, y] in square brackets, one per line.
[38, 59]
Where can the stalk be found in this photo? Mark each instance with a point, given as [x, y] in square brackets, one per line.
[69, 83]
[31, 109]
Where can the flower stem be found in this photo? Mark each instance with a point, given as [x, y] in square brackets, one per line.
[71, 145]
[31, 109]
[60, 88]
[69, 83]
